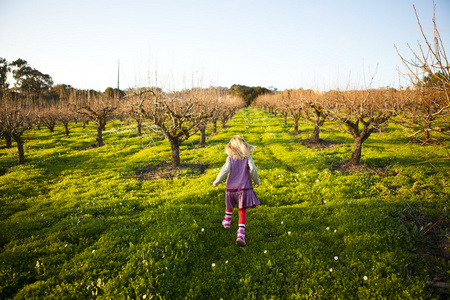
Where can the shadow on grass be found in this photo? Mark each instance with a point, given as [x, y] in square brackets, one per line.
[165, 170]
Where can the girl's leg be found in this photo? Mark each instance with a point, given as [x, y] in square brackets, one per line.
[241, 231]
[242, 217]
[227, 219]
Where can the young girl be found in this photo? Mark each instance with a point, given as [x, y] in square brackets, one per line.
[239, 167]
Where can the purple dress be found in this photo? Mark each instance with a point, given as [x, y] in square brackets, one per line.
[239, 190]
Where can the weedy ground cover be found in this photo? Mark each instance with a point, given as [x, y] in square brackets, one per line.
[77, 222]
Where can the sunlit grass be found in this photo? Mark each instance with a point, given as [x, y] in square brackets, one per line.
[76, 223]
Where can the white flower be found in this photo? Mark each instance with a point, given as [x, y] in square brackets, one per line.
[317, 180]
[282, 222]
[365, 277]
[328, 228]
[331, 269]
[181, 208]
[93, 251]
[335, 230]
[265, 251]
[213, 265]
[336, 258]
[203, 229]
[324, 201]
[303, 173]
[144, 296]
[289, 232]
[226, 261]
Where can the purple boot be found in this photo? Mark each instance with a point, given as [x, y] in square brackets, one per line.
[241, 237]
[226, 222]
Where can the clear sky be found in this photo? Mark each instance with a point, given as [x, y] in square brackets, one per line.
[317, 44]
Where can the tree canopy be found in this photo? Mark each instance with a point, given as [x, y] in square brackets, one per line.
[248, 94]
[29, 79]
[4, 70]
[114, 92]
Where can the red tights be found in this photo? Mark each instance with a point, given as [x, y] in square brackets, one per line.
[242, 215]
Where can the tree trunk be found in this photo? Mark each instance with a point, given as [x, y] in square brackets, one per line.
[20, 151]
[356, 154]
[100, 135]
[8, 140]
[296, 125]
[66, 128]
[51, 128]
[202, 136]
[175, 146]
[215, 126]
[315, 135]
[139, 128]
[285, 118]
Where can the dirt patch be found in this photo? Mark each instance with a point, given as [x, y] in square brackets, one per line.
[322, 144]
[165, 170]
[345, 166]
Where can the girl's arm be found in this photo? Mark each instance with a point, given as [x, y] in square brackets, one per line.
[253, 170]
[224, 172]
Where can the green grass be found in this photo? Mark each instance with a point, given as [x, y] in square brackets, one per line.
[76, 224]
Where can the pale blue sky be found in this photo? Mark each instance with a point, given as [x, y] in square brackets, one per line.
[320, 44]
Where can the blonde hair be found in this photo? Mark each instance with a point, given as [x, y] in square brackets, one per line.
[238, 148]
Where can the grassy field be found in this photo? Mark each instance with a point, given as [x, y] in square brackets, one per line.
[78, 222]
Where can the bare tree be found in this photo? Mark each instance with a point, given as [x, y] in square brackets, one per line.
[362, 112]
[139, 105]
[228, 106]
[216, 99]
[48, 115]
[98, 108]
[315, 111]
[3, 132]
[15, 119]
[180, 115]
[226, 114]
[293, 101]
[429, 101]
[298, 104]
[65, 115]
[6, 136]
[283, 105]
